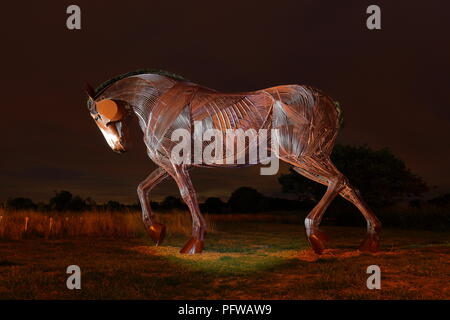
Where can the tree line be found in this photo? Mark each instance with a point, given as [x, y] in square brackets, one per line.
[242, 200]
[382, 178]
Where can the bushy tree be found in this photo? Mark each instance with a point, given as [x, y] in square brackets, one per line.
[65, 201]
[246, 199]
[113, 206]
[170, 203]
[213, 205]
[20, 203]
[440, 201]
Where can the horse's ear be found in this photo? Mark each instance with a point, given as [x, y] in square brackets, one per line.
[90, 91]
[109, 109]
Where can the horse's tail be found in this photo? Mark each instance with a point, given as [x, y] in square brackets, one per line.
[340, 113]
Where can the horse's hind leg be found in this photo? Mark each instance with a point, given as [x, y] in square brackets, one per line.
[156, 230]
[196, 242]
[372, 241]
[321, 171]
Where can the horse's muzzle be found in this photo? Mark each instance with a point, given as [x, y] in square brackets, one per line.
[119, 148]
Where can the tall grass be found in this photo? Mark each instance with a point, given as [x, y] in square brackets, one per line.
[31, 224]
[34, 224]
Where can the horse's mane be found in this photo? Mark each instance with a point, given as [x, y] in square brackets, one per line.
[109, 82]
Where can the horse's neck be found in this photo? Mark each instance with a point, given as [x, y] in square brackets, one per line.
[143, 113]
[141, 93]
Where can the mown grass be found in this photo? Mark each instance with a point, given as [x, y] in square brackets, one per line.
[242, 260]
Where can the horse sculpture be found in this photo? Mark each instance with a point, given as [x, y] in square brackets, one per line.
[306, 123]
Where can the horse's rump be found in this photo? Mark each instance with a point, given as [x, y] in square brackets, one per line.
[306, 120]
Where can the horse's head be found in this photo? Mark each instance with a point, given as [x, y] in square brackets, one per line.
[109, 115]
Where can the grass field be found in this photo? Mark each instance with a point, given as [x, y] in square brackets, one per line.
[16, 225]
[242, 260]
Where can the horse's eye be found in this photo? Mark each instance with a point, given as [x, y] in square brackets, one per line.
[97, 117]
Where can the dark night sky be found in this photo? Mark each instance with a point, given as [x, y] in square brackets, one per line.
[393, 84]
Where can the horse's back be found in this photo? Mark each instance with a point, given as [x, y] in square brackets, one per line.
[305, 118]
[222, 111]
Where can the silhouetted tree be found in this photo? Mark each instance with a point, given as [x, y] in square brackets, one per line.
[20, 204]
[90, 203]
[246, 200]
[154, 205]
[170, 203]
[113, 206]
[65, 201]
[42, 206]
[440, 201]
[382, 178]
[77, 204]
[61, 200]
[213, 205]
[285, 204]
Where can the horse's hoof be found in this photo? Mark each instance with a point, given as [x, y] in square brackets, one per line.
[370, 244]
[194, 245]
[157, 232]
[317, 239]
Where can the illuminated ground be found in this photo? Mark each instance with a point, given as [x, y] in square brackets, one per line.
[251, 260]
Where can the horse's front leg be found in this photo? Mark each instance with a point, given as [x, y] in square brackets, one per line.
[156, 230]
[196, 242]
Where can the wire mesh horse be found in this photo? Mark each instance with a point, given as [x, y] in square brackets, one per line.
[305, 119]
